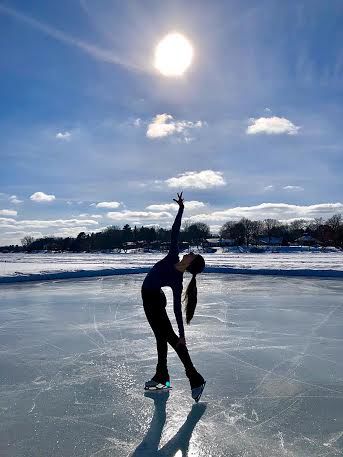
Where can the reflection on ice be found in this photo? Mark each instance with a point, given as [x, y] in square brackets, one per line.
[75, 356]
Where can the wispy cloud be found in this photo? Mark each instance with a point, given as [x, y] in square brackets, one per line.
[94, 216]
[13, 199]
[136, 215]
[73, 231]
[272, 126]
[91, 49]
[269, 188]
[63, 136]
[280, 211]
[197, 180]
[8, 212]
[108, 205]
[46, 223]
[163, 125]
[295, 188]
[41, 197]
[192, 205]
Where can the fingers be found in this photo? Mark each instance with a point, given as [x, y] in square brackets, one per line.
[180, 199]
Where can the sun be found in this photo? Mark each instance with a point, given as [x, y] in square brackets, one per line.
[173, 55]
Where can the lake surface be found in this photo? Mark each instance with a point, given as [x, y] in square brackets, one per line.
[74, 356]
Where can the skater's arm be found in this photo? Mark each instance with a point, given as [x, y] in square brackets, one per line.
[176, 227]
[178, 312]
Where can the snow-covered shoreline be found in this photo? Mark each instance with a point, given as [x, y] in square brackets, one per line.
[48, 266]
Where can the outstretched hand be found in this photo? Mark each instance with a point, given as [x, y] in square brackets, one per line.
[180, 200]
[181, 342]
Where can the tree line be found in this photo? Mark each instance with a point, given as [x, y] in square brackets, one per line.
[244, 232]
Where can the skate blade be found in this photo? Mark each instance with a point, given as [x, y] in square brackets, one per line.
[197, 398]
[157, 389]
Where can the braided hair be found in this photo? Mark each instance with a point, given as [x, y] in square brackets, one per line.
[190, 296]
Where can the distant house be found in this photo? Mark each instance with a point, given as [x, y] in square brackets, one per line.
[306, 240]
[273, 241]
[218, 242]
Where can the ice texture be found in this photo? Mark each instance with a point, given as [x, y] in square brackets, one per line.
[75, 355]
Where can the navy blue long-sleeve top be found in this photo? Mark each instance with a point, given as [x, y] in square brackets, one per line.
[164, 273]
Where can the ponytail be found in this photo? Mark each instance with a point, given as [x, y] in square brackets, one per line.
[190, 299]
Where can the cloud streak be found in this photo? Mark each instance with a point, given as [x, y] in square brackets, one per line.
[13, 199]
[293, 188]
[8, 212]
[7, 222]
[280, 211]
[108, 205]
[94, 51]
[136, 215]
[192, 205]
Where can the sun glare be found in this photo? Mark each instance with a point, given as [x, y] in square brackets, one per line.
[173, 55]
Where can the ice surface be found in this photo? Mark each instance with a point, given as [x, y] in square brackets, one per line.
[75, 356]
[23, 267]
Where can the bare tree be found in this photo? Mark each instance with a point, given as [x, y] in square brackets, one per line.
[27, 240]
[270, 225]
[334, 222]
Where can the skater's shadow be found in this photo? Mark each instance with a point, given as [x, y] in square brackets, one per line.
[180, 442]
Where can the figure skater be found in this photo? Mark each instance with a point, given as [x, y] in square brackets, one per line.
[169, 272]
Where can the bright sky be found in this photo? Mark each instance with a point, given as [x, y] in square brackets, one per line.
[92, 134]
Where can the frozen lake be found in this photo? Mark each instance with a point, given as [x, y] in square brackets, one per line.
[28, 267]
[75, 355]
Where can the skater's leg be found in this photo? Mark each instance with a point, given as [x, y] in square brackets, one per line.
[153, 301]
[180, 349]
[162, 346]
[164, 332]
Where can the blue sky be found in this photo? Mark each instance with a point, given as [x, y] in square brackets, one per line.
[253, 128]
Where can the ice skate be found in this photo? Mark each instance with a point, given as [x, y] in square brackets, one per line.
[157, 385]
[197, 392]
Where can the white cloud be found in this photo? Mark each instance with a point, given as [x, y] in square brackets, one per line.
[65, 136]
[23, 233]
[215, 229]
[8, 212]
[198, 180]
[42, 197]
[137, 122]
[94, 216]
[129, 215]
[71, 231]
[270, 187]
[268, 110]
[6, 221]
[192, 205]
[272, 126]
[46, 223]
[293, 188]
[164, 125]
[13, 199]
[112, 205]
[280, 211]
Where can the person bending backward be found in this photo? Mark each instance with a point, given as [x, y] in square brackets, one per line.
[169, 272]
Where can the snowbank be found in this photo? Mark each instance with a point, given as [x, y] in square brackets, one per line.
[39, 267]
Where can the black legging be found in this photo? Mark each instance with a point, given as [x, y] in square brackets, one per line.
[154, 302]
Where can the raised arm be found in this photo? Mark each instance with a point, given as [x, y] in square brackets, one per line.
[174, 248]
